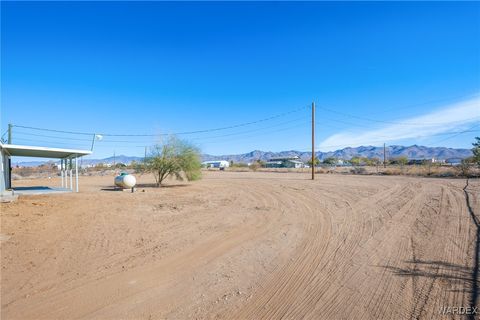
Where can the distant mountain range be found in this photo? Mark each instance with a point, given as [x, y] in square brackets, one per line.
[411, 152]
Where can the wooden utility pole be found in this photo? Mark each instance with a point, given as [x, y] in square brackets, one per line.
[384, 156]
[313, 140]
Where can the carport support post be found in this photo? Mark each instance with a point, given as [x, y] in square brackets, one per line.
[61, 172]
[76, 173]
[71, 178]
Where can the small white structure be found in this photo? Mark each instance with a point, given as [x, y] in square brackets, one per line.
[442, 161]
[216, 164]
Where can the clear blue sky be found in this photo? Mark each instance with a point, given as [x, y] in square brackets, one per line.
[171, 67]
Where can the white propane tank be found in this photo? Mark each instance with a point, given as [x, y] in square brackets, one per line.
[125, 180]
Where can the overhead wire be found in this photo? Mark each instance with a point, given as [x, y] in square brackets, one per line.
[323, 107]
[175, 133]
[230, 136]
[416, 137]
[460, 133]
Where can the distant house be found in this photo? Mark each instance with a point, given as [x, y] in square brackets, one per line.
[425, 161]
[285, 162]
[216, 164]
[417, 161]
[454, 161]
[441, 161]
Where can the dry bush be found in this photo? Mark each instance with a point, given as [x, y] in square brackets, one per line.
[255, 166]
[16, 176]
[392, 172]
[358, 170]
[35, 172]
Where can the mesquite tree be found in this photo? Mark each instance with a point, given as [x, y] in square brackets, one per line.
[174, 157]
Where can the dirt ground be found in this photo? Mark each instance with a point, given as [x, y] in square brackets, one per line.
[243, 245]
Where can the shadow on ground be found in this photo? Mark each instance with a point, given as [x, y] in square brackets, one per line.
[453, 275]
[154, 185]
[145, 186]
[459, 278]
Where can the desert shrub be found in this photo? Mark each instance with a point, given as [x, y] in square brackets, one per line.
[239, 165]
[176, 158]
[445, 174]
[254, 166]
[317, 162]
[476, 151]
[330, 161]
[392, 172]
[358, 170]
[16, 176]
[465, 167]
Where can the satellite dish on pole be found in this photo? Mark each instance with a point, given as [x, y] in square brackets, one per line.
[96, 137]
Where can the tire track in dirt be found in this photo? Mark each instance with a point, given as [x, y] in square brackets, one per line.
[361, 248]
[296, 297]
[476, 264]
[377, 237]
[153, 280]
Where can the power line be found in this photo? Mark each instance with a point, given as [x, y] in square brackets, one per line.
[301, 125]
[235, 135]
[459, 133]
[250, 131]
[165, 134]
[306, 149]
[47, 136]
[22, 133]
[43, 141]
[470, 95]
[385, 121]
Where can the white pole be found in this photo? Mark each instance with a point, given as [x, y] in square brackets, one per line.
[65, 173]
[71, 178]
[61, 171]
[76, 174]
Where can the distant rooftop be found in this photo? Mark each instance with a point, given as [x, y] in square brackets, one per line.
[284, 158]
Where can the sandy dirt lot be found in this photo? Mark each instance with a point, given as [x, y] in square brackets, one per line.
[239, 245]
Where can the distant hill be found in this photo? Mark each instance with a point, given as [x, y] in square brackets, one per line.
[411, 152]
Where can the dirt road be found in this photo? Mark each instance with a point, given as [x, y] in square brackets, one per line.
[243, 246]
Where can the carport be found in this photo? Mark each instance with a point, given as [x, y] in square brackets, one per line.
[68, 165]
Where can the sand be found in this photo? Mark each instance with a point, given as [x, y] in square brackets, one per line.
[239, 245]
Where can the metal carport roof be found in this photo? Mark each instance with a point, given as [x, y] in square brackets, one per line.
[42, 152]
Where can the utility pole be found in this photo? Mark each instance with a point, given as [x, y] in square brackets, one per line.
[93, 141]
[113, 158]
[384, 156]
[10, 133]
[313, 140]
[145, 157]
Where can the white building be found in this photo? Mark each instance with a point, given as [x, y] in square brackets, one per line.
[216, 164]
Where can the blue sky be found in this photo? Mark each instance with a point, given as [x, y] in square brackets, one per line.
[400, 73]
